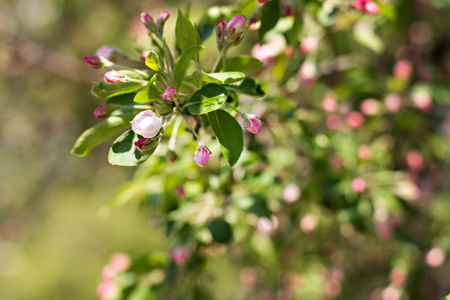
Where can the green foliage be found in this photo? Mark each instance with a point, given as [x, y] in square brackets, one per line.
[183, 63]
[185, 33]
[100, 133]
[209, 98]
[229, 134]
[124, 153]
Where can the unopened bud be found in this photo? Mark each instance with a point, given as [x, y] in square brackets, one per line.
[235, 28]
[220, 32]
[371, 8]
[170, 93]
[115, 77]
[148, 22]
[103, 111]
[145, 145]
[179, 255]
[201, 155]
[96, 61]
[252, 123]
[162, 18]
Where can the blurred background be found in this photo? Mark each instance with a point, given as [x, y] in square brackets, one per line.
[55, 234]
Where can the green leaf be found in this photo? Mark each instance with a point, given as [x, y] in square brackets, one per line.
[270, 14]
[209, 98]
[245, 64]
[152, 61]
[124, 153]
[101, 132]
[248, 87]
[148, 93]
[185, 33]
[105, 89]
[220, 78]
[183, 63]
[221, 231]
[229, 134]
[363, 34]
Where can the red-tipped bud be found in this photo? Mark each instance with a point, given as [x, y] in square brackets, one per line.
[220, 32]
[145, 145]
[235, 28]
[96, 62]
[201, 155]
[252, 123]
[103, 111]
[162, 18]
[170, 93]
[179, 255]
[148, 22]
[115, 77]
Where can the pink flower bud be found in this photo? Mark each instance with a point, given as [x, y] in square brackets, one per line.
[170, 93]
[201, 155]
[398, 276]
[106, 289]
[308, 223]
[371, 8]
[252, 123]
[364, 152]
[414, 160]
[333, 122]
[96, 62]
[391, 293]
[162, 18]
[307, 73]
[358, 185]
[423, 101]
[235, 28]
[287, 10]
[103, 111]
[267, 226]
[148, 22]
[403, 69]
[220, 32]
[109, 272]
[308, 44]
[115, 77]
[359, 4]
[354, 119]
[435, 257]
[329, 102]
[146, 123]
[180, 255]
[370, 107]
[393, 102]
[120, 261]
[291, 193]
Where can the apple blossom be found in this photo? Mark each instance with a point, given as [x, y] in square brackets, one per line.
[115, 77]
[252, 123]
[201, 155]
[147, 124]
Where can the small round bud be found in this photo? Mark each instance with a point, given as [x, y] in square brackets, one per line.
[103, 111]
[115, 77]
[358, 185]
[403, 69]
[162, 18]
[180, 255]
[371, 8]
[106, 289]
[147, 124]
[96, 62]
[252, 123]
[201, 155]
[170, 93]
[354, 119]
[148, 22]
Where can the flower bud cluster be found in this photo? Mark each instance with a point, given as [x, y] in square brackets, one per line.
[150, 24]
[231, 33]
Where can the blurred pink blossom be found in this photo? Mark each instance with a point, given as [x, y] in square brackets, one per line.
[354, 119]
[435, 257]
[291, 193]
[333, 122]
[359, 185]
[393, 102]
